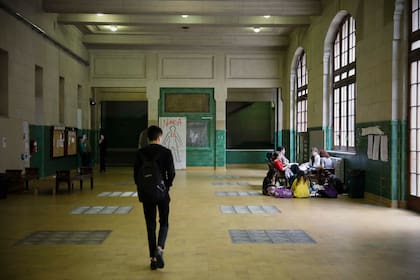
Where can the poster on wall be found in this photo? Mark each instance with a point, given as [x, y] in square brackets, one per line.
[71, 141]
[58, 140]
[174, 138]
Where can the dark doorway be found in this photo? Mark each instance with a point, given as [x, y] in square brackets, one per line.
[122, 123]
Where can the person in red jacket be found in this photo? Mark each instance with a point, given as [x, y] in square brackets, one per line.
[277, 163]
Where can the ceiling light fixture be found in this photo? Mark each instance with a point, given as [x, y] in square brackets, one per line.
[113, 28]
[267, 16]
[257, 29]
[99, 14]
[185, 16]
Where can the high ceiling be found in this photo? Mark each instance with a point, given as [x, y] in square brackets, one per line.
[161, 24]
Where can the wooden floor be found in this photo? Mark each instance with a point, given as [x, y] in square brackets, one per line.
[353, 240]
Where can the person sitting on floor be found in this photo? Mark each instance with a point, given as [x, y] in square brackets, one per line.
[301, 185]
[269, 182]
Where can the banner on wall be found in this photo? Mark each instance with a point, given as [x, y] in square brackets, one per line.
[174, 138]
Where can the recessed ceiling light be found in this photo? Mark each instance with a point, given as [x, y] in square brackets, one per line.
[113, 28]
[185, 16]
[267, 16]
[257, 29]
[99, 14]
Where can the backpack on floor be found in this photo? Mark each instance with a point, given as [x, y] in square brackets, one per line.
[283, 193]
[329, 192]
[151, 187]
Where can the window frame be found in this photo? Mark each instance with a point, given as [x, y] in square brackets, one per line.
[413, 57]
[301, 94]
[344, 80]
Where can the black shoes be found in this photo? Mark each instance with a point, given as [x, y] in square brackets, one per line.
[153, 265]
[159, 258]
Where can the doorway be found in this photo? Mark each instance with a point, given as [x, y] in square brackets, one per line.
[197, 105]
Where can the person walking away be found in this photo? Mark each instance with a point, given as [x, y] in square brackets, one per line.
[102, 153]
[154, 173]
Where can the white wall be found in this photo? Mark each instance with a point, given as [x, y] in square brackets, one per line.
[26, 48]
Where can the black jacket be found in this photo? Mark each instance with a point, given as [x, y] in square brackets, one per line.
[165, 162]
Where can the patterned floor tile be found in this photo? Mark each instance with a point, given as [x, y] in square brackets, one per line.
[65, 237]
[238, 193]
[118, 194]
[270, 236]
[249, 209]
[103, 210]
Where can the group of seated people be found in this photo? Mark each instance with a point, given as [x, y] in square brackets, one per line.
[293, 179]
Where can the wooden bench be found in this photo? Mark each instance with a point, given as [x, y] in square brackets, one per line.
[15, 180]
[84, 173]
[31, 174]
[65, 176]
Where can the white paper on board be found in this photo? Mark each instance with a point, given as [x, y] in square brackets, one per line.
[370, 147]
[376, 145]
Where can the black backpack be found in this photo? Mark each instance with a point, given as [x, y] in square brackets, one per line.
[151, 187]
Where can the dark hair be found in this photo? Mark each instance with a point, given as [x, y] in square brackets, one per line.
[281, 148]
[294, 168]
[300, 175]
[274, 155]
[153, 132]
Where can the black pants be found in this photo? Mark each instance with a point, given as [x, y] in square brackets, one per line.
[150, 211]
[102, 161]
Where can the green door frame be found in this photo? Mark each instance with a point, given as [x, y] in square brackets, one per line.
[196, 156]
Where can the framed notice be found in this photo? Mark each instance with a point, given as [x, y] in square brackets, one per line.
[71, 141]
[58, 135]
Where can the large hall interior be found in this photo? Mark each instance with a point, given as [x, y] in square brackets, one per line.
[229, 82]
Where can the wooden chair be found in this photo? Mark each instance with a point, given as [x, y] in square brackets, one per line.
[62, 176]
[31, 173]
[84, 173]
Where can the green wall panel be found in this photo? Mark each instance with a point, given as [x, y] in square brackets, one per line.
[42, 159]
[385, 179]
[246, 157]
[220, 147]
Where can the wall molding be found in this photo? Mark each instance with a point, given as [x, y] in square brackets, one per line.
[253, 67]
[186, 66]
[119, 66]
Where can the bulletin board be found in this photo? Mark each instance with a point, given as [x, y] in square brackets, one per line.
[71, 140]
[58, 141]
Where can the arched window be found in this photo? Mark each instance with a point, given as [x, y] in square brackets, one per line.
[414, 103]
[301, 94]
[344, 86]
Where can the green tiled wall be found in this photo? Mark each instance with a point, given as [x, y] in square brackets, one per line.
[378, 174]
[220, 147]
[246, 157]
